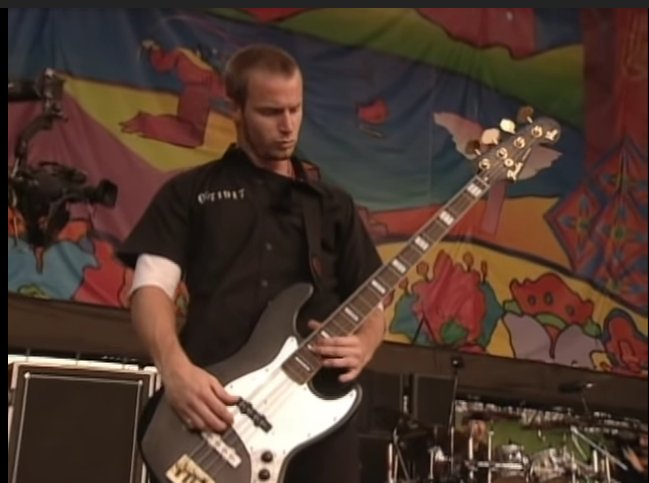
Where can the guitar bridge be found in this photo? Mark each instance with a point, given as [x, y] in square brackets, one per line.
[185, 470]
[227, 452]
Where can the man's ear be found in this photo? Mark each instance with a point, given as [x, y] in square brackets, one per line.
[234, 109]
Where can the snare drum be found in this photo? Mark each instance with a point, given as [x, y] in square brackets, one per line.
[511, 463]
[551, 465]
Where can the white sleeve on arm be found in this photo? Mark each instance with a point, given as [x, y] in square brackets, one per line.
[153, 270]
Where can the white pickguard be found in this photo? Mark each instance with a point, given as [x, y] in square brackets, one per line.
[295, 413]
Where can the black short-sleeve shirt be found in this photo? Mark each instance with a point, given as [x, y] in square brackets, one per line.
[238, 233]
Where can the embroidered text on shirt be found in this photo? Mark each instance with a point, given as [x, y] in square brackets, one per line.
[218, 195]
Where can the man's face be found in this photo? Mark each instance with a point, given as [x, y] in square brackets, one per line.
[271, 119]
[478, 430]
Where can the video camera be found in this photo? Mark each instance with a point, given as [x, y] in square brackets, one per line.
[41, 193]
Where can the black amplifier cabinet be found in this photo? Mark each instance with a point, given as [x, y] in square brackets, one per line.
[76, 423]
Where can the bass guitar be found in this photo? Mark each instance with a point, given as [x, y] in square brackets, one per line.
[280, 411]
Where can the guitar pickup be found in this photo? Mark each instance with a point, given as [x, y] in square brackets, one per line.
[185, 470]
[257, 418]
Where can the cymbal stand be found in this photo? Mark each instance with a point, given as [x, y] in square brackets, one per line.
[432, 453]
[470, 458]
[435, 455]
[490, 436]
[599, 450]
[451, 432]
[457, 363]
[396, 461]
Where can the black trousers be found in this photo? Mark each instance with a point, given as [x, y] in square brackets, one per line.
[334, 459]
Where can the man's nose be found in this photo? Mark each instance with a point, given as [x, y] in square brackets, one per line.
[286, 123]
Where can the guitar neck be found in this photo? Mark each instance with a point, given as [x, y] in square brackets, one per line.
[503, 161]
[355, 310]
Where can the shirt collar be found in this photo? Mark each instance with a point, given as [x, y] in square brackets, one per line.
[237, 156]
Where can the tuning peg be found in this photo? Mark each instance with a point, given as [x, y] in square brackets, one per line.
[508, 126]
[525, 114]
[473, 148]
[490, 136]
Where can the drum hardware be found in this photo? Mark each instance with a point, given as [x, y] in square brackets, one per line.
[490, 437]
[598, 451]
[551, 464]
[406, 429]
[443, 456]
[470, 453]
[416, 453]
[511, 461]
[507, 461]
[396, 461]
[437, 459]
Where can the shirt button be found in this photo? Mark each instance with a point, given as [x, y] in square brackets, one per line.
[268, 246]
[264, 283]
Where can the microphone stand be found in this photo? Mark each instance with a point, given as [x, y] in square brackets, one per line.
[457, 363]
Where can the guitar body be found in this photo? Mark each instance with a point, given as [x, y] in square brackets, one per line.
[247, 453]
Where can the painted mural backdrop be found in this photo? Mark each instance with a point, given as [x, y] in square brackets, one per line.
[551, 268]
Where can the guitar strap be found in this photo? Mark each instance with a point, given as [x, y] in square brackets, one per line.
[312, 213]
[312, 223]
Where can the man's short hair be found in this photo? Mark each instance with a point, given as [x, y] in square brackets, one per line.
[256, 56]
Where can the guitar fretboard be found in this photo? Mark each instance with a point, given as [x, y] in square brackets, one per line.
[303, 364]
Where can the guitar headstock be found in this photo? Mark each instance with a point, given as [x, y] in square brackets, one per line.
[506, 158]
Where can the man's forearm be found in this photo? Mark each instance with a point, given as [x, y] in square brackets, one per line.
[154, 319]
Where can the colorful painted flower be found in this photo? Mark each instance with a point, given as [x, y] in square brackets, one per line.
[549, 295]
[625, 344]
[451, 303]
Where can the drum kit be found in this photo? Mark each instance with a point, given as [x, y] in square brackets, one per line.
[506, 463]
[458, 457]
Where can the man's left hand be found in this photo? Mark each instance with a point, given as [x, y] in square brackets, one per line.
[349, 352]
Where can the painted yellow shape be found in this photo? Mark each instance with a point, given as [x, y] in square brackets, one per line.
[111, 104]
[500, 343]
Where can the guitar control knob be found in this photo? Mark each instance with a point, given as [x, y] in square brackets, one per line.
[267, 456]
[264, 474]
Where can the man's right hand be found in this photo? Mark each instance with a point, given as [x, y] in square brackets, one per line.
[633, 458]
[198, 397]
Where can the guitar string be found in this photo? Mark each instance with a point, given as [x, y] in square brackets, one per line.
[275, 399]
[260, 398]
[246, 428]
